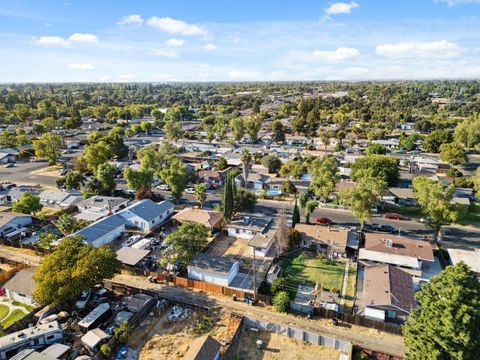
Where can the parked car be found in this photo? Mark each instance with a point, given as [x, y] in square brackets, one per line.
[163, 187]
[384, 228]
[190, 190]
[83, 299]
[324, 221]
[9, 165]
[393, 216]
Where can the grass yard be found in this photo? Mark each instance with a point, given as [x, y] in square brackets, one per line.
[307, 268]
[351, 288]
[471, 216]
[15, 315]
[4, 310]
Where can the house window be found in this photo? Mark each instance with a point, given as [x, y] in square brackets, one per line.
[50, 337]
[391, 314]
[153, 221]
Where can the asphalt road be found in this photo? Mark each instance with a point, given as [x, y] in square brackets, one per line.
[22, 174]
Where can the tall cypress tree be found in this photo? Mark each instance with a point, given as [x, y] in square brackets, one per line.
[228, 198]
[295, 214]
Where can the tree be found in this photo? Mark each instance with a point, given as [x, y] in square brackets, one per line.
[222, 163]
[453, 153]
[96, 154]
[382, 166]
[105, 350]
[294, 239]
[28, 204]
[279, 284]
[173, 130]
[293, 168]
[295, 214]
[445, 323]
[278, 131]
[245, 200]
[310, 206]
[303, 199]
[325, 175]
[146, 126]
[272, 163]
[252, 127]
[376, 149]
[123, 332]
[245, 158]
[325, 137]
[468, 131]
[360, 200]
[45, 239]
[74, 266]
[435, 139]
[106, 177]
[228, 198]
[176, 177]
[48, 146]
[73, 180]
[435, 199]
[281, 301]
[238, 127]
[209, 133]
[187, 241]
[288, 187]
[138, 179]
[221, 127]
[67, 224]
[201, 193]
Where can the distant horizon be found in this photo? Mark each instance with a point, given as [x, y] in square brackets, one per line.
[71, 41]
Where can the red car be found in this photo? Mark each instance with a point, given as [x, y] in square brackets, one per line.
[324, 221]
[393, 216]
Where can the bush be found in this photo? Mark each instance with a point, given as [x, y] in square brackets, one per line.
[279, 284]
[294, 238]
[105, 350]
[281, 301]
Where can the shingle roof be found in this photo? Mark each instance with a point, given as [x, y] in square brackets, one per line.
[249, 221]
[213, 264]
[400, 246]
[6, 217]
[205, 217]
[388, 285]
[202, 348]
[333, 236]
[261, 241]
[22, 282]
[101, 228]
[148, 210]
[131, 256]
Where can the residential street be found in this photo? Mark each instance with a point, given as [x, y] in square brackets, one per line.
[363, 337]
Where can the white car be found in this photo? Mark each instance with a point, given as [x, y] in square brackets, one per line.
[163, 187]
[83, 299]
[190, 191]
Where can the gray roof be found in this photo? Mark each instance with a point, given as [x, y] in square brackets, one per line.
[213, 264]
[7, 217]
[261, 241]
[131, 256]
[22, 282]
[148, 210]
[102, 201]
[101, 228]
[256, 223]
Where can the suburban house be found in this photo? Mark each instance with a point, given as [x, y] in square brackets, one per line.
[213, 220]
[247, 226]
[262, 243]
[8, 155]
[203, 348]
[13, 194]
[147, 214]
[103, 231]
[388, 293]
[60, 199]
[218, 270]
[255, 181]
[72, 143]
[276, 184]
[12, 223]
[400, 196]
[411, 255]
[469, 257]
[21, 286]
[213, 178]
[426, 163]
[328, 238]
[96, 207]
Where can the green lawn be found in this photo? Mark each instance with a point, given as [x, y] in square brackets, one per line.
[471, 216]
[351, 288]
[4, 309]
[307, 268]
[15, 315]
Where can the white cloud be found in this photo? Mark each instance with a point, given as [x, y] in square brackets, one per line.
[54, 41]
[175, 42]
[417, 49]
[459, 2]
[209, 46]
[167, 53]
[236, 40]
[340, 54]
[341, 8]
[173, 26]
[135, 20]
[126, 77]
[243, 75]
[355, 72]
[81, 67]
[83, 38]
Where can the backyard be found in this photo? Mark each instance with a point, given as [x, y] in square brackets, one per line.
[12, 311]
[307, 268]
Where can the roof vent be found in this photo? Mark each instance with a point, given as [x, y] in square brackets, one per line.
[389, 243]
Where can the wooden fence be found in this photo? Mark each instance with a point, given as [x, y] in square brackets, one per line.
[7, 275]
[378, 355]
[358, 320]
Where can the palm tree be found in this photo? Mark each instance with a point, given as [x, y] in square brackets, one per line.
[245, 158]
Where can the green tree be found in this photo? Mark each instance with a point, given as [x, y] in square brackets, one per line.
[246, 159]
[360, 200]
[272, 163]
[382, 166]
[96, 154]
[252, 127]
[222, 163]
[288, 187]
[67, 224]
[325, 175]
[228, 198]
[146, 126]
[27, 204]
[73, 180]
[293, 168]
[173, 130]
[435, 199]
[176, 177]
[453, 153]
[376, 149]
[444, 325]
[435, 139]
[295, 214]
[45, 239]
[187, 241]
[105, 350]
[281, 301]
[48, 146]
[245, 200]
[138, 179]
[279, 284]
[310, 206]
[468, 131]
[201, 193]
[106, 177]
[74, 266]
[221, 127]
[238, 127]
[278, 131]
[123, 332]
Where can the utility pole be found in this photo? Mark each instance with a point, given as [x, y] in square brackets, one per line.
[254, 276]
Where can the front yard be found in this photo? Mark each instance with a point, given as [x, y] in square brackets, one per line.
[12, 311]
[307, 268]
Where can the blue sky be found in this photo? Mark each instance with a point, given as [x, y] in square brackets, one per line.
[109, 41]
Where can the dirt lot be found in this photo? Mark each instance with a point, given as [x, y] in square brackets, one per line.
[281, 347]
[230, 246]
[170, 340]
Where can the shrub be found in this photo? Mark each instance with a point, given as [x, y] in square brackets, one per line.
[281, 301]
[105, 350]
[278, 285]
